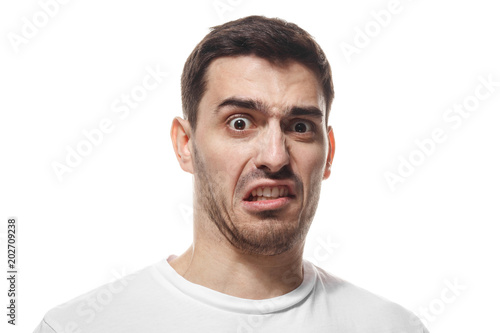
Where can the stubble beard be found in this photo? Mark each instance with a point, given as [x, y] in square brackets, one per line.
[272, 236]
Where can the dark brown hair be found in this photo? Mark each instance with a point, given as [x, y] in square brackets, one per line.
[270, 38]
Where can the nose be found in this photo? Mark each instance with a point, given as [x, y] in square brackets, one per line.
[272, 150]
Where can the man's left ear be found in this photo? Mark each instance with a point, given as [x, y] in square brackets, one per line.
[331, 152]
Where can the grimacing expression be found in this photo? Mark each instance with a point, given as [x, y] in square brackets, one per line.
[260, 152]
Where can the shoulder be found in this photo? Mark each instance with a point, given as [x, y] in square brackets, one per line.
[43, 327]
[363, 308]
[88, 310]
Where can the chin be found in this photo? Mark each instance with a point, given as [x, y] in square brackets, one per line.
[269, 236]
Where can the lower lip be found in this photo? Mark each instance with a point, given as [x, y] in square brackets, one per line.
[273, 204]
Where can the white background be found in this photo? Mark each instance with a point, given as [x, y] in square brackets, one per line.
[127, 204]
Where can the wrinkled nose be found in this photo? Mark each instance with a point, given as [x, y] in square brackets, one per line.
[272, 152]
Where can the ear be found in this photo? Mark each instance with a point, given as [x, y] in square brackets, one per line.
[331, 152]
[180, 134]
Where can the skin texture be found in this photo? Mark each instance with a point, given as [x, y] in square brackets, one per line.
[258, 124]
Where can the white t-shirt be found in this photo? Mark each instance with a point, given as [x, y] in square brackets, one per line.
[157, 299]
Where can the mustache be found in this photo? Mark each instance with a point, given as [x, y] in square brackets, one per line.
[283, 173]
[259, 174]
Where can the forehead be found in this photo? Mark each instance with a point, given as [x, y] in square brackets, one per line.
[280, 86]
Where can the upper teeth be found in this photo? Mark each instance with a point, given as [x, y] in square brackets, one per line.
[270, 192]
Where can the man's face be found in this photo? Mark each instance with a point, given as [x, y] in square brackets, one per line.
[260, 152]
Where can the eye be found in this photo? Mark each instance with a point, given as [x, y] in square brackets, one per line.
[240, 123]
[301, 126]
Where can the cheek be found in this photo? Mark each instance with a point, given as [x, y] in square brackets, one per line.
[311, 160]
[225, 162]
[310, 163]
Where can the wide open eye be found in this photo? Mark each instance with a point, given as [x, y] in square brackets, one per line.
[301, 126]
[240, 123]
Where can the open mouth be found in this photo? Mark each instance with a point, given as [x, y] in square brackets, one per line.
[268, 193]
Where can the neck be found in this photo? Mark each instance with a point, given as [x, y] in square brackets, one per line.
[221, 267]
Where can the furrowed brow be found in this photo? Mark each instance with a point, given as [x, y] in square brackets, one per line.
[257, 105]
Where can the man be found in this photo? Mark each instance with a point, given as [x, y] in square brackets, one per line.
[256, 96]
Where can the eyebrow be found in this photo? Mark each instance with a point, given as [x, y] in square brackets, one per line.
[305, 111]
[257, 105]
[244, 103]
